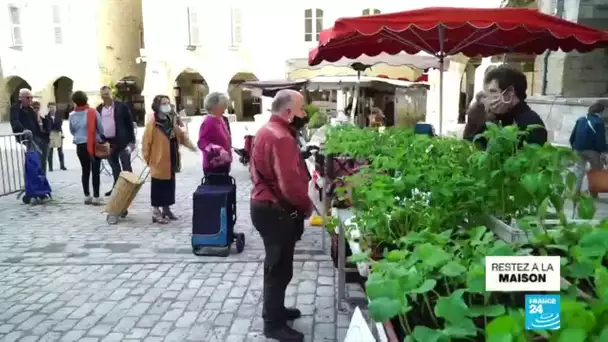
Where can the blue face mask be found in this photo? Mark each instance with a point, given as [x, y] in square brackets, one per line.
[166, 109]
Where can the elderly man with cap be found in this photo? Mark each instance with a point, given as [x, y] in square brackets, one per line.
[279, 203]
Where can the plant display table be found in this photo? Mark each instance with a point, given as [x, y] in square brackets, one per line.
[425, 213]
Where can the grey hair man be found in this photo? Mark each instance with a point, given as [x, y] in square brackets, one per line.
[22, 115]
[25, 118]
[279, 204]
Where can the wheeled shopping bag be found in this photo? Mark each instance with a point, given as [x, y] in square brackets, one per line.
[214, 217]
[124, 192]
[36, 185]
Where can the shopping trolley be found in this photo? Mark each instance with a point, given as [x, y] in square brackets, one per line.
[126, 189]
[37, 186]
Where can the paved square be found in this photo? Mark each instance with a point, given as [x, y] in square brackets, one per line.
[66, 275]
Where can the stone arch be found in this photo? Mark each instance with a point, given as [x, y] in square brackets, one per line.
[244, 104]
[128, 89]
[63, 87]
[189, 91]
[13, 84]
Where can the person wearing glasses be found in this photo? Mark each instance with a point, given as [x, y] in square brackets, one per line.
[25, 118]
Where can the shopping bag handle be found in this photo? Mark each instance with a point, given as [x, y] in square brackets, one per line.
[146, 170]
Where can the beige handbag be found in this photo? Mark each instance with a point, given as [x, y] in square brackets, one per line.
[56, 139]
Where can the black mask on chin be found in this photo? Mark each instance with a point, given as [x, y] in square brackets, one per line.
[299, 122]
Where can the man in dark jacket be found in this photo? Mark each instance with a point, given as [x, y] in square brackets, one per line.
[56, 136]
[588, 139]
[23, 117]
[279, 201]
[505, 91]
[118, 130]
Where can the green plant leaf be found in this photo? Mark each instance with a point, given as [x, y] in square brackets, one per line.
[501, 337]
[543, 208]
[383, 309]
[463, 329]
[431, 255]
[506, 324]
[572, 334]
[396, 255]
[476, 234]
[476, 280]
[452, 308]
[453, 269]
[586, 208]
[488, 310]
[427, 286]
[378, 286]
[359, 257]
[424, 334]
[604, 335]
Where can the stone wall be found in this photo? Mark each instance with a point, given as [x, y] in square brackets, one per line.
[575, 74]
[561, 113]
[120, 33]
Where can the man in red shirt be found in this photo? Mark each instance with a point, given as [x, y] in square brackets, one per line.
[279, 203]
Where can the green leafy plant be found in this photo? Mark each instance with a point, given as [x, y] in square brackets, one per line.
[420, 204]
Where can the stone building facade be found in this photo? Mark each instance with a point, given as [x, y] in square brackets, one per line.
[53, 49]
[567, 83]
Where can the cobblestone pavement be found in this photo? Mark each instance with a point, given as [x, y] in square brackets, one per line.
[66, 275]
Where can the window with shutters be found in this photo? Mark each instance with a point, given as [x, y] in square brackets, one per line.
[15, 25]
[58, 21]
[313, 24]
[194, 32]
[371, 11]
[236, 27]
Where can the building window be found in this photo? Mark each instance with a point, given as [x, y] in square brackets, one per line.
[313, 24]
[194, 37]
[15, 18]
[236, 27]
[57, 24]
[371, 11]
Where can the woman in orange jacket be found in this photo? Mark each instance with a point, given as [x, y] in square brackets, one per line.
[160, 145]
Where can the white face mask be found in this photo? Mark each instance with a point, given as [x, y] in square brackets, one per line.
[165, 109]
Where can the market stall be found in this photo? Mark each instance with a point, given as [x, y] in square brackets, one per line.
[420, 206]
[447, 31]
[427, 211]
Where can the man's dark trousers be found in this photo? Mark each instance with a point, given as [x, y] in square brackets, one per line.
[279, 233]
[119, 156]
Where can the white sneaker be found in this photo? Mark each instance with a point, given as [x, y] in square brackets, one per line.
[97, 201]
[88, 200]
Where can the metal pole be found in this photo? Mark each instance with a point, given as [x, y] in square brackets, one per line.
[441, 55]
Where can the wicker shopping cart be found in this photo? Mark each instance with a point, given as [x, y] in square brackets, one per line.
[124, 193]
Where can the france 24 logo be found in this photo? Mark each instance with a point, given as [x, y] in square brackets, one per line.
[542, 312]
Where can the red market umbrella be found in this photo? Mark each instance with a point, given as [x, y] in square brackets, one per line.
[423, 78]
[444, 31]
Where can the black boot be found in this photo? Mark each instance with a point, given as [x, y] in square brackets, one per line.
[283, 334]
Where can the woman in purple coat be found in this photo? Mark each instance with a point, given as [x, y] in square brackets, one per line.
[214, 138]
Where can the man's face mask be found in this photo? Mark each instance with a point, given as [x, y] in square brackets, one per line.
[499, 103]
[299, 122]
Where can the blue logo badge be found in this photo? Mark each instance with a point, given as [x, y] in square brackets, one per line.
[542, 312]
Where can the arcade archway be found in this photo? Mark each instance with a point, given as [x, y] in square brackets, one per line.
[13, 85]
[128, 90]
[244, 104]
[62, 92]
[189, 91]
